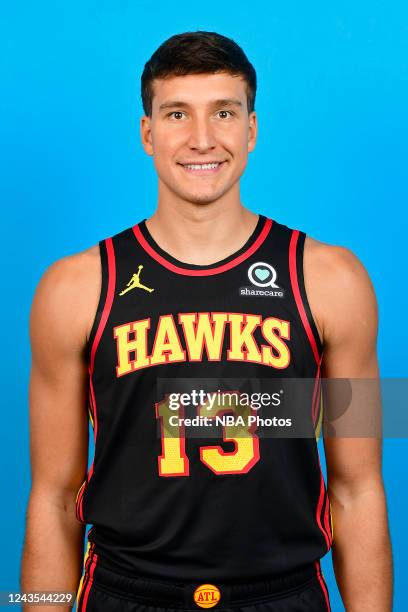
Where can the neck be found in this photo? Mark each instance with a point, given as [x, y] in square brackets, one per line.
[204, 233]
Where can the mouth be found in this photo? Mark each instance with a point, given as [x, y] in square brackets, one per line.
[202, 169]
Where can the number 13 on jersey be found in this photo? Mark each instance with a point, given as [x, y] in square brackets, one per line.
[174, 461]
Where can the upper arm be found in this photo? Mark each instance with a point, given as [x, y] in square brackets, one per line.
[344, 304]
[61, 315]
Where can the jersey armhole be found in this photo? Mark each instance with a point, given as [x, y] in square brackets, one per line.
[108, 265]
[296, 257]
[102, 298]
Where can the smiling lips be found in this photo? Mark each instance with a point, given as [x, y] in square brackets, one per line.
[202, 168]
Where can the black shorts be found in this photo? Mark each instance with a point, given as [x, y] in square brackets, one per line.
[102, 590]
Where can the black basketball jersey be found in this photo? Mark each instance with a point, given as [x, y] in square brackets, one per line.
[203, 506]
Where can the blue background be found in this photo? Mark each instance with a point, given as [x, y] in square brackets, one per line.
[331, 159]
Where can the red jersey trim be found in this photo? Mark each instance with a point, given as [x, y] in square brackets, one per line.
[323, 526]
[322, 584]
[102, 323]
[209, 271]
[326, 534]
[296, 292]
[88, 585]
[108, 302]
[316, 401]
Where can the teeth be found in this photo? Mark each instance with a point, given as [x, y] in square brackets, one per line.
[202, 166]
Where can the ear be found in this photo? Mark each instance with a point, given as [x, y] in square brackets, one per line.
[146, 134]
[252, 131]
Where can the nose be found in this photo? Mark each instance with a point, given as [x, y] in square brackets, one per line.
[201, 136]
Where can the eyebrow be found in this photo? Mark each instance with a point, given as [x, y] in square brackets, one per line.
[181, 104]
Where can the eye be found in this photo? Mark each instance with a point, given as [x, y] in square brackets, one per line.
[174, 113]
[226, 113]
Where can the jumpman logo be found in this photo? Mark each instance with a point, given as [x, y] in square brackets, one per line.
[135, 283]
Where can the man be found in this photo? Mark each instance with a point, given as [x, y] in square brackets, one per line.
[204, 289]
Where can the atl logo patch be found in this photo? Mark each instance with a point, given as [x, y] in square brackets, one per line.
[263, 276]
[207, 595]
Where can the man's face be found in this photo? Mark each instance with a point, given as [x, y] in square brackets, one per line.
[199, 119]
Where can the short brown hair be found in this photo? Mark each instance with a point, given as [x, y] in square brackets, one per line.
[197, 53]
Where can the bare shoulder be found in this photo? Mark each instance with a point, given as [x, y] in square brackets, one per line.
[66, 298]
[339, 261]
[338, 287]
